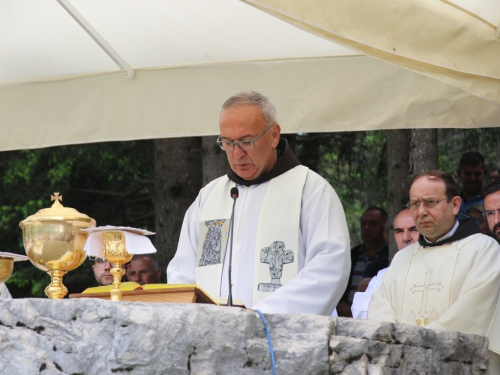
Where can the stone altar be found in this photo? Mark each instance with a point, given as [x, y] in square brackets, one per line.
[91, 336]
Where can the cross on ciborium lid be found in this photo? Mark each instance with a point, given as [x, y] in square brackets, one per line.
[58, 212]
[56, 198]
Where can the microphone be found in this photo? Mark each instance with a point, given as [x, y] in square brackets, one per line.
[234, 196]
[234, 192]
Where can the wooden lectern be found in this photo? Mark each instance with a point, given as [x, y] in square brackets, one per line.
[159, 293]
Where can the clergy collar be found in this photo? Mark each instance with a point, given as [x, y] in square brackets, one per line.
[466, 228]
[286, 161]
[449, 234]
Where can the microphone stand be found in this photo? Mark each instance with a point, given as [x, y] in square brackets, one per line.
[234, 196]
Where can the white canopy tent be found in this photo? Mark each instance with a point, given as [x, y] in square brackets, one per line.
[79, 71]
[454, 41]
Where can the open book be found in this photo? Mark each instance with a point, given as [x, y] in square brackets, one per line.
[129, 285]
[130, 288]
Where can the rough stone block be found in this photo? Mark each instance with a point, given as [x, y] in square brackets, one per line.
[92, 336]
[365, 329]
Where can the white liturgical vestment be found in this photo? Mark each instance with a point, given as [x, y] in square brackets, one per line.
[454, 286]
[276, 244]
[494, 335]
[361, 300]
[323, 262]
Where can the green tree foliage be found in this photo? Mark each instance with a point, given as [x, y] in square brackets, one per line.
[354, 163]
[114, 184]
[111, 182]
[455, 142]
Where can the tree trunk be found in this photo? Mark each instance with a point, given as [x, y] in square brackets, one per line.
[423, 151]
[398, 150]
[178, 177]
[214, 160]
[409, 152]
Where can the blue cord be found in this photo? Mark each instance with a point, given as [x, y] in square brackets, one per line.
[271, 350]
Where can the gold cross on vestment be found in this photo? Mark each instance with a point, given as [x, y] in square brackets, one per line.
[56, 197]
[425, 288]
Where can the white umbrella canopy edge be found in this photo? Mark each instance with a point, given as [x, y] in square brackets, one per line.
[310, 96]
[40, 40]
[443, 40]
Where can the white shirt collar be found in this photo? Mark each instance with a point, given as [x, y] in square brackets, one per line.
[449, 234]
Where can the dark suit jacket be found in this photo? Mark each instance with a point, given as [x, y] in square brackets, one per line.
[379, 261]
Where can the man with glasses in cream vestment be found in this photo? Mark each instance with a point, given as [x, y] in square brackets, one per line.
[450, 278]
[290, 243]
[491, 202]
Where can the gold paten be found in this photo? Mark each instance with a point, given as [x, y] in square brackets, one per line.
[6, 268]
[115, 252]
[54, 242]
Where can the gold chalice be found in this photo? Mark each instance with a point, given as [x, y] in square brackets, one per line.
[6, 268]
[7, 264]
[54, 242]
[115, 252]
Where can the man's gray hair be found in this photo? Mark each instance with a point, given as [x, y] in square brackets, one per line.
[253, 98]
[154, 261]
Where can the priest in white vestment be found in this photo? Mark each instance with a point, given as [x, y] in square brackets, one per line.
[450, 279]
[290, 243]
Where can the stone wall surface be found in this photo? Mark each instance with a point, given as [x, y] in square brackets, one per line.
[91, 336]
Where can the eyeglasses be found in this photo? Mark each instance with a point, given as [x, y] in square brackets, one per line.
[244, 145]
[490, 214]
[101, 262]
[427, 204]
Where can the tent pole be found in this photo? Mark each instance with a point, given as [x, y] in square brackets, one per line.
[98, 38]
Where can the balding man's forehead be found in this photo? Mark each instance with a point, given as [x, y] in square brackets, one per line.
[404, 219]
[428, 180]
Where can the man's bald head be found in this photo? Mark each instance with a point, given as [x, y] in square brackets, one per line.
[405, 230]
[143, 269]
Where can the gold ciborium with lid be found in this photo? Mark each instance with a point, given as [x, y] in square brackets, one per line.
[54, 242]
